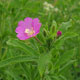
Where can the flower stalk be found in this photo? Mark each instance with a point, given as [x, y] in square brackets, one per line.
[38, 40]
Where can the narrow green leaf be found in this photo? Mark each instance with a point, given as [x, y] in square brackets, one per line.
[43, 61]
[65, 57]
[64, 78]
[26, 70]
[53, 28]
[70, 62]
[22, 46]
[13, 74]
[56, 77]
[64, 37]
[65, 26]
[48, 77]
[17, 59]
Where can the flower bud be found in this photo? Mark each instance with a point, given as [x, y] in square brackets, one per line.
[59, 33]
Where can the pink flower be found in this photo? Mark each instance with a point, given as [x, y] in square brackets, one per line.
[59, 33]
[28, 28]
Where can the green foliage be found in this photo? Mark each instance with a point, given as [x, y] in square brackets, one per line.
[43, 62]
[22, 46]
[57, 58]
[16, 59]
[64, 58]
[65, 26]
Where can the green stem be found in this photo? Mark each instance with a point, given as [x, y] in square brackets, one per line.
[38, 40]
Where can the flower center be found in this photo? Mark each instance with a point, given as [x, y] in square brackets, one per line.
[29, 32]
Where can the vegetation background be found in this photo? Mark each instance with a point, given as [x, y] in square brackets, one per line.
[24, 60]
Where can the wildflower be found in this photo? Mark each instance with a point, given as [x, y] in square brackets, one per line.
[56, 9]
[28, 28]
[59, 33]
[51, 6]
[45, 3]
[48, 6]
[47, 9]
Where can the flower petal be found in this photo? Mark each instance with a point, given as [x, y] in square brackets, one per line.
[36, 19]
[21, 23]
[20, 29]
[33, 25]
[36, 24]
[35, 33]
[22, 36]
[28, 22]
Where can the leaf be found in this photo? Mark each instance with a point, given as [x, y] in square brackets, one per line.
[17, 59]
[67, 64]
[65, 26]
[64, 58]
[53, 27]
[22, 46]
[13, 74]
[56, 77]
[59, 42]
[26, 70]
[64, 78]
[43, 61]
[41, 37]
[48, 77]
